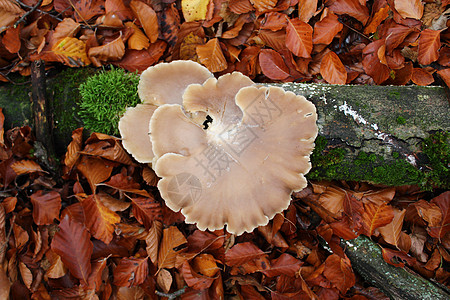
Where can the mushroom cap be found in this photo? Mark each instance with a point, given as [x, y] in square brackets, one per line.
[165, 83]
[238, 172]
[161, 84]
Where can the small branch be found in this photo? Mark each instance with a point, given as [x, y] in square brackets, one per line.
[22, 19]
[173, 295]
[3, 247]
[354, 30]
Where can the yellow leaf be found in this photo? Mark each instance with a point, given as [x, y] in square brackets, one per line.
[71, 49]
[194, 10]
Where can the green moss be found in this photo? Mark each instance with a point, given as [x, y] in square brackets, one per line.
[335, 164]
[394, 94]
[105, 96]
[401, 120]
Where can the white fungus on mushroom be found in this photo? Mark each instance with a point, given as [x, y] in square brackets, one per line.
[161, 84]
[242, 169]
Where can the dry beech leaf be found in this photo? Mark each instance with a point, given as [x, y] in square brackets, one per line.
[71, 51]
[111, 51]
[375, 216]
[445, 75]
[113, 203]
[138, 40]
[86, 10]
[119, 8]
[240, 6]
[131, 271]
[264, 5]
[152, 240]
[409, 8]
[9, 13]
[66, 28]
[164, 280]
[188, 47]
[99, 219]
[57, 268]
[339, 272]
[21, 236]
[46, 207]
[26, 166]
[443, 201]
[241, 253]
[205, 264]
[147, 17]
[172, 238]
[391, 232]
[332, 69]
[299, 38]
[285, 264]
[211, 56]
[429, 44]
[326, 29]
[139, 60]
[421, 77]
[352, 8]
[95, 170]
[377, 18]
[73, 148]
[194, 10]
[73, 243]
[306, 9]
[273, 65]
[146, 210]
[26, 275]
[11, 39]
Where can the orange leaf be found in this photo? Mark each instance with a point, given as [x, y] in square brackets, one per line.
[111, 51]
[264, 5]
[274, 21]
[409, 8]
[306, 9]
[119, 8]
[46, 207]
[240, 6]
[66, 28]
[87, 9]
[332, 69]
[339, 272]
[273, 65]
[71, 51]
[211, 56]
[299, 38]
[11, 39]
[26, 166]
[147, 17]
[95, 170]
[396, 34]
[400, 256]
[9, 13]
[140, 60]
[326, 29]
[285, 264]
[26, 275]
[375, 216]
[205, 264]
[421, 77]
[371, 63]
[350, 7]
[137, 40]
[445, 75]
[172, 238]
[99, 219]
[443, 201]
[429, 44]
[126, 184]
[193, 279]
[241, 253]
[73, 148]
[146, 210]
[152, 240]
[378, 17]
[392, 231]
[73, 243]
[131, 272]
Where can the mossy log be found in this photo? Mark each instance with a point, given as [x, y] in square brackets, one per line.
[396, 283]
[366, 133]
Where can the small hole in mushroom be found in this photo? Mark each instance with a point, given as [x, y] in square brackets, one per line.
[208, 121]
[308, 115]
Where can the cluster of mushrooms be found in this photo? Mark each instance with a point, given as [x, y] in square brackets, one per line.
[229, 152]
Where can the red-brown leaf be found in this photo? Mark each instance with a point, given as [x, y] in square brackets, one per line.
[26, 166]
[194, 279]
[443, 201]
[74, 245]
[326, 29]
[339, 272]
[273, 65]
[445, 75]
[375, 216]
[95, 170]
[172, 238]
[11, 39]
[350, 7]
[306, 9]
[332, 69]
[241, 253]
[131, 271]
[285, 264]
[409, 8]
[74, 147]
[99, 219]
[392, 231]
[429, 44]
[299, 38]
[421, 77]
[146, 209]
[140, 60]
[46, 207]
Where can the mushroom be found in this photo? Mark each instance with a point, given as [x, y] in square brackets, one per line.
[161, 84]
[242, 169]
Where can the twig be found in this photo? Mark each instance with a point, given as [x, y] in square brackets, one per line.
[173, 295]
[39, 11]
[22, 18]
[3, 247]
[354, 30]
